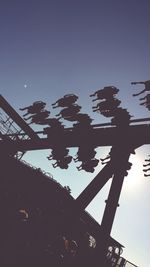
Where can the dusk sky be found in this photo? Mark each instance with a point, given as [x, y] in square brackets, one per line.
[51, 48]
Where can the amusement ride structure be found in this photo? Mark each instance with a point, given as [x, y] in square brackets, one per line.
[42, 224]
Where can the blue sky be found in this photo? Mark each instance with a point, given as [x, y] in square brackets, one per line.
[58, 47]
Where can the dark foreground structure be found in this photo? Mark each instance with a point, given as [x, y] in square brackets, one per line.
[36, 229]
[41, 224]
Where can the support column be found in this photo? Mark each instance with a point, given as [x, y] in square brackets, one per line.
[112, 204]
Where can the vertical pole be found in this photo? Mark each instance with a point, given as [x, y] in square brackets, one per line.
[112, 204]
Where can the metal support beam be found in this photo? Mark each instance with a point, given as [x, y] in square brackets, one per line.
[17, 119]
[136, 135]
[112, 204]
[87, 195]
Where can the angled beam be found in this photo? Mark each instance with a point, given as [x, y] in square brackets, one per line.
[87, 195]
[76, 210]
[17, 119]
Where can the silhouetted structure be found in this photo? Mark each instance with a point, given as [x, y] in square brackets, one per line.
[121, 118]
[108, 92]
[65, 101]
[111, 104]
[63, 163]
[58, 153]
[85, 153]
[147, 169]
[39, 118]
[146, 84]
[42, 225]
[88, 165]
[33, 224]
[36, 107]
[69, 112]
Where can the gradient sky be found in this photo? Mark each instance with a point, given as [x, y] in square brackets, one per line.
[75, 46]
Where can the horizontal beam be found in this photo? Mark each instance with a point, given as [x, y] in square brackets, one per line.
[131, 121]
[135, 135]
[92, 125]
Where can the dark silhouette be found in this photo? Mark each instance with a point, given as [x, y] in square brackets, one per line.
[54, 130]
[147, 98]
[107, 105]
[121, 117]
[147, 102]
[68, 189]
[146, 170]
[146, 175]
[65, 101]
[88, 165]
[147, 160]
[53, 234]
[54, 123]
[83, 123]
[58, 153]
[85, 154]
[70, 111]
[36, 107]
[109, 113]
[70, 246]
[63, 163]
[113, 155]
[39, 118]
[106, 159]
[106, 93]
[146, 165]
[83, 118]
[147, 87]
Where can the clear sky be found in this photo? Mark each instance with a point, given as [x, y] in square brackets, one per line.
[75, 46]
